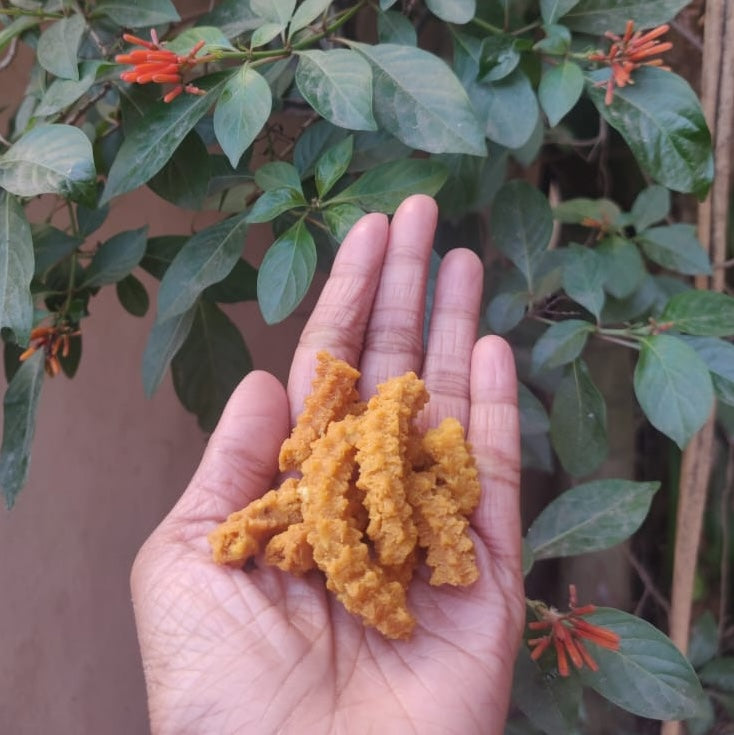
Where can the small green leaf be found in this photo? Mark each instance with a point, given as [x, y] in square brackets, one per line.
[19, 424]
[307, 12]
[673, 387]
[338, 85]
[583, 278]
[138, 13]
[206, 258]
[16, 269]
[648, 675]
[116, 258]
[561, 343]
[278, 175]
[340, 218]
[265, 34]
[704, 640]
[51, 245]
[62, 93]
[394, 27]
[453, 11]
[719, 673]
[70, 361]
[275, 11]
[660, 118]
[209, 365]
[242, 110]
[509, 110]
[560, 89]
[163, 343]
[521, 226]
[232, 18]
[557, 40]
[703, 313]
[552, 10]
[575, 211]
[418, 99]
[652, 205]
[598, 16]
[286, 273]
[153, 138]
[273, 203]
[160, 252]
[498, 58]
[506, 310]
[579, 422]
[676, 247]
[590, 517]
[50, 159]
[622, 264]
[533, 416]
[332, 165]
[382, 188]
[58, 46]
[14, 28]
[214, 40]
[133, 296]
[313, 142]
[719, 358]
[90, 219]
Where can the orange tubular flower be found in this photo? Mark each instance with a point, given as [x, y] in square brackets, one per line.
[53, 340]
[153, 63]
[565, 633]
[629, 52]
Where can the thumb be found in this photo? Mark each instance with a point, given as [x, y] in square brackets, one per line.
[241, 459]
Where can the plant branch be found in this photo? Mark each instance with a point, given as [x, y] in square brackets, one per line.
[650, 586]
[7, 60]
[42, 14]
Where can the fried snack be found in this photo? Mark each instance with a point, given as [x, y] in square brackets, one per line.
[333, 397]
[374, 497]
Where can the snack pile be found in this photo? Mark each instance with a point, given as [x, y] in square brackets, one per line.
[373, 496]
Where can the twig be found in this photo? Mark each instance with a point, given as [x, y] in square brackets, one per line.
[726, 498]
[7, 60]
[72, 118]
[650, 587]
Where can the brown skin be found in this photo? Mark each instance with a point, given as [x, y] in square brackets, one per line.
[266, 652]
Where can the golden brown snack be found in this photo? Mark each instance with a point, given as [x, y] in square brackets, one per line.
[290, 550]
[334, 395]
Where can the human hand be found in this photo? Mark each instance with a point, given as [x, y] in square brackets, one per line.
[264, 652]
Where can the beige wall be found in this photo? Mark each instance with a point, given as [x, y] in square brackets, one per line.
[107, 464]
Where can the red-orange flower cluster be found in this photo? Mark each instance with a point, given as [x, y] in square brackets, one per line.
[53, 340]
[629, 52]
[153, 63]
[565, 631]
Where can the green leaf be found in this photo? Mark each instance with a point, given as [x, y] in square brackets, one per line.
[498, 57]
[133, 296]
[232, 18]
[50, 159]
[703, 313]
[552, 10]
[719, 358]
[622, 264]
[382, 188]
[14, 28]
[184, 179]
[719, 673]
[209, 364]
[50, 245]
[652, 205]
[206, 258]
[660, 118]
[704, 640]
[536, 452]
[19, 423]
[278, 175]
[90, 219]
[506, 310]
[214, 40]
[273, 203]
[673, 387]
[418, 99]
[579, 422]
[154, 137]
[675, 247]
[598, 16]
[533, 416]
[561, 343]
[16, 269]
[550, 703]
[70, 362]
[590, 517]
[275, 11]
[394, 27]
[286, 273]
[527, 559]
[163, 343]
[240, 284]
[139, 13]
[332, 165]
[160, 252]
[62, 93]
[241, 112]
[265, 34]
[575, 211]
[307, 12]
[648, 675]
[313, 142]
[583, 278]
[453, 11]
[509, 109]
[340, 218]
[58, 46]
[116, 258]
[560, 89]
[338, 85]
[521, 226]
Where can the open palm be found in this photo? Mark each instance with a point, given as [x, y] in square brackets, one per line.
[264, 652]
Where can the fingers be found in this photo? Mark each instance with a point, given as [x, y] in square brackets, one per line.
[393, 343]
[241, 459]
[339, 320]
[495, 436]
[451, 336]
